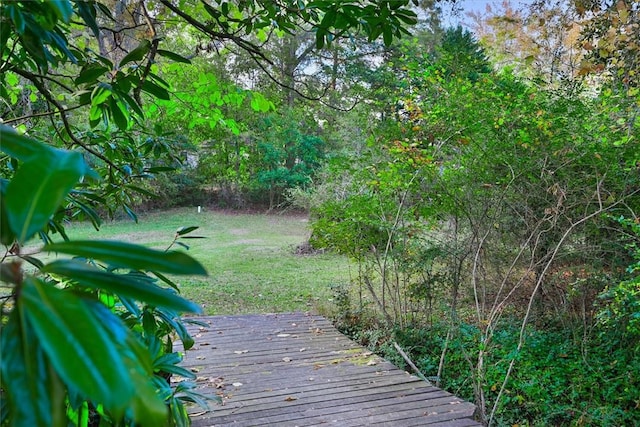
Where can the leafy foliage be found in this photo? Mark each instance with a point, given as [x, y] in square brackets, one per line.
[555, 382]
[479, 202]
[58, 325]
[88, 340]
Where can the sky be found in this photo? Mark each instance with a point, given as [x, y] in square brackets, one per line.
[472, 6]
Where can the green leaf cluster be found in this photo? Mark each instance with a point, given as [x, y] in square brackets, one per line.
[62, 346]
[482, 199]
[87, 339]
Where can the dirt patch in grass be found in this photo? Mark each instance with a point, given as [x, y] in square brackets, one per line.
[239, 231]
[249, 241]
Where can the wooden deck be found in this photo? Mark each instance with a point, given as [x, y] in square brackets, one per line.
[298, 370]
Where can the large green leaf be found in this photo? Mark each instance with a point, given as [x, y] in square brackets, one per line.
[147, 407]
[7, 236]
[62, 8]
[79, 348]
[87, 12]
[155, 90]
[125, 285]
[136, 54]
[176, 324]
[34, 391]
[37, 190]
[18, 146]
[90, 73]
[127, 255]
[40, 184]
[174, 56]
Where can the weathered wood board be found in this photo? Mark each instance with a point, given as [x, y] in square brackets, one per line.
[296, 369]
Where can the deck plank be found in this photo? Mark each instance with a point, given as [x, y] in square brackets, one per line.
[296, 369]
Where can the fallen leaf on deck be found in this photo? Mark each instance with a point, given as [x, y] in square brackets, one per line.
[241, 351]
[200, 357]
[290, 399]
[372, 363]
[217, 382]
[287, 359]
[303, 349]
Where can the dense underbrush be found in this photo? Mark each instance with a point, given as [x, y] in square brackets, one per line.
[560, 378]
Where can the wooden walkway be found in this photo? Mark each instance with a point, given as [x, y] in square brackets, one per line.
[298, 370]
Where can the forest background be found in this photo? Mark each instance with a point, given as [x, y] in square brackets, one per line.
[485, 184]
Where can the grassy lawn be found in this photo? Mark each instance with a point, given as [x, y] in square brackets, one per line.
[251, 259]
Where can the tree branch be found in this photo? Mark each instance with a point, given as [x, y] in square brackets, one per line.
[248, 46]
[60, 109]
[45, 114]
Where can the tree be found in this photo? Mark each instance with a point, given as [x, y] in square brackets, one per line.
[485, 190]
[88, 340]
[609, 36]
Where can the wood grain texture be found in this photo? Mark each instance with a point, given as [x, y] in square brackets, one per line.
[296, 369]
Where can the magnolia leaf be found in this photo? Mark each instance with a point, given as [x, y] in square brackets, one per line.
[136, 54]
[62, 8]
[7, 236]
[126, 285]
[90, 73]
[40, 184]
[87, 12]
[186, 230]
[147, 407]
[100, 94]
[155, 90]
[34, 391]
[173, 56]
[119, 114]
[132, 103]
[20, 147]
[127, 255]
[77, 345]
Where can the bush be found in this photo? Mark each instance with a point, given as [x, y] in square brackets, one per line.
[557, 380]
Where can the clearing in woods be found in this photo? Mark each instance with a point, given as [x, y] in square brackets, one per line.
[252, 259]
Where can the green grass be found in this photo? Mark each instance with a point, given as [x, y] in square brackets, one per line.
[251, 259]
